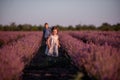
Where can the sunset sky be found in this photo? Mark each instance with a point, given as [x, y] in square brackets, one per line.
[62, 12]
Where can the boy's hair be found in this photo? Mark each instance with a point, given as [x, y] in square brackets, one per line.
[54, 27]
[46, 24]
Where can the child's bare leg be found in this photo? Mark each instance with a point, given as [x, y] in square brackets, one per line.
[56, 51]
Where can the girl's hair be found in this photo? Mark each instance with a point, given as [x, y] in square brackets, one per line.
[46, 24]
[54, 27]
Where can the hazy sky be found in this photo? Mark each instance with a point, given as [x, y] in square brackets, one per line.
[63, 12]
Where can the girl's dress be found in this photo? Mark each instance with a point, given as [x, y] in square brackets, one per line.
[53, 50]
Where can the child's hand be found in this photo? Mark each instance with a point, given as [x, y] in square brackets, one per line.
[48, 47]
[59, 46]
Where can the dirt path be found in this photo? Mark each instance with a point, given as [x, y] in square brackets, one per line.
[43, 67]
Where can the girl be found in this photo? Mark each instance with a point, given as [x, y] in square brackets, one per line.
[53, 43]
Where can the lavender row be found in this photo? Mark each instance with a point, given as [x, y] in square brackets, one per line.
[102, 62]
[104, 33]
[98, 38]
[9, 36]
[14, 56]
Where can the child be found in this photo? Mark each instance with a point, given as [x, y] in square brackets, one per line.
[46, 32]
[53, 43]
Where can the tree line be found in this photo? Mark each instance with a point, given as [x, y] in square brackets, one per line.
[29, 27]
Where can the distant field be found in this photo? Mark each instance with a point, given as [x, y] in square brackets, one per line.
[97, 52]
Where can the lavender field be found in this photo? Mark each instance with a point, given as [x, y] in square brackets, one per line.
[16, 51]
[95, 52]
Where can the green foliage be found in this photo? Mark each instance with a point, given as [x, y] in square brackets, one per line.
[28, 27]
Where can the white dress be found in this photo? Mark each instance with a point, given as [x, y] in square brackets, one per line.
[53, 50]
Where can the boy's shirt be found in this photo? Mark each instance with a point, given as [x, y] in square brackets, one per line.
[46, 32]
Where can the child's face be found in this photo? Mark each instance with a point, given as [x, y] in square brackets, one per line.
[46, 26]
[54, 32]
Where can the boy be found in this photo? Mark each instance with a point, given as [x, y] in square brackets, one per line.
[46, 32]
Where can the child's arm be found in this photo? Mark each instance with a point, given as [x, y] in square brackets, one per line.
[48, 42]
[58, 43]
